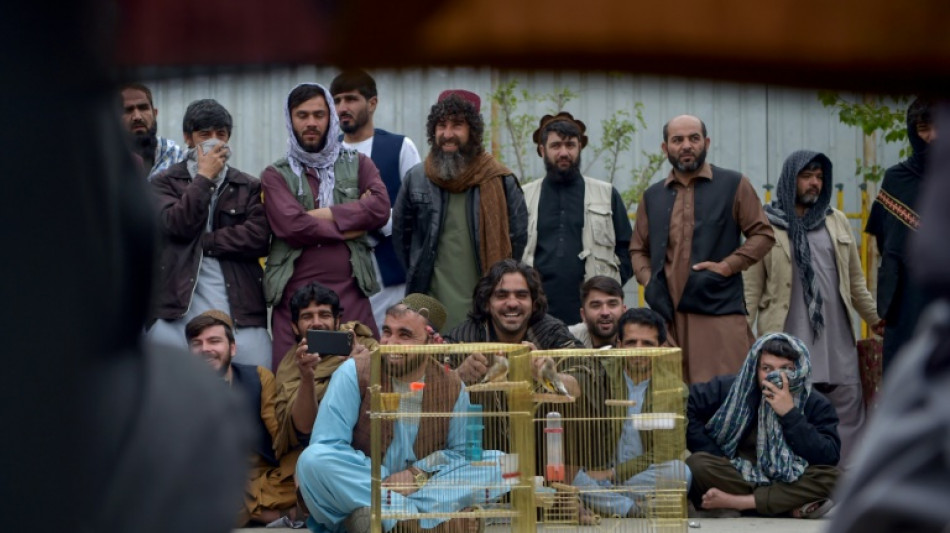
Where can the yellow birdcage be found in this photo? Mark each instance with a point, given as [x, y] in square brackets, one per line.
[497, 436]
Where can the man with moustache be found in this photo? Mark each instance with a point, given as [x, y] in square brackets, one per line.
[602, 299]
[892, 220]
[140, 118]
[320, 200]
[577, 226]
[302, 376]
[422, 456]
[460, 211]
[270, 492]
[355, 98]
[687, 252]
[214, 231]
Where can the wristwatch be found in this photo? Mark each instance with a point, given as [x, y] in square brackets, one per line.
[422, 477]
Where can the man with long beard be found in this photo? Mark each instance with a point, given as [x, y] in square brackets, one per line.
[458, 212]
[321, 200]
[140, 118]
[687, 251]
[423, 456]
[577, 226]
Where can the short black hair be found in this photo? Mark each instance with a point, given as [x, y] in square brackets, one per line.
[303, 93]
[354, 80]
[643, 316]
[666, 129]
[481, 296]
[206, 114]
[604, 284]
[455, 106]
[780, 347]
[136, 86]
[565, 128]
[920, 111]
[812, 166]
[197, 325]
[316, 293]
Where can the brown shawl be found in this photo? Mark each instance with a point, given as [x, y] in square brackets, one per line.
[493, 233]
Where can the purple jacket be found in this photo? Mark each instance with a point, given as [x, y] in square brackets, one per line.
[240, 236]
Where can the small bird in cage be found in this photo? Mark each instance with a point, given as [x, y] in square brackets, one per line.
[550, 380]
[498, 371]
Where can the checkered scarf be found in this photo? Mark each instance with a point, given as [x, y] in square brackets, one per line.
[321, 162]
[775, 461]
[781, 213]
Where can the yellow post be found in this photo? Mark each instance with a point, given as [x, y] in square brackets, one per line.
[768, 192]
[840, 187]
[865, 248]
[640, 299]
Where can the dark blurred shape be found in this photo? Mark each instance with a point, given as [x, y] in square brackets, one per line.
[902, 477]
[99, 436]
[866, 45]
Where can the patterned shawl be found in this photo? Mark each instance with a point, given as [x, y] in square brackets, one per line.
[775, 461]
[781, 213]
[322, 162]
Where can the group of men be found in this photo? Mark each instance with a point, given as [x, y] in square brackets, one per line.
[350, 221]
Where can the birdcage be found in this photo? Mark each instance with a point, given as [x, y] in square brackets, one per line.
[471, 460]
[614, 457]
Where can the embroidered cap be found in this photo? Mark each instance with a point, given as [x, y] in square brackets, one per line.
[428, 307]
[467, 96]
[562, 116]
[218, 314]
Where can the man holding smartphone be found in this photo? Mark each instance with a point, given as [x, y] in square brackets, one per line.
[305, 370]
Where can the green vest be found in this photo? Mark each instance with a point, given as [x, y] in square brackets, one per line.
[280, 261]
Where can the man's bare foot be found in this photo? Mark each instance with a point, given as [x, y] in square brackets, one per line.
[717, 499]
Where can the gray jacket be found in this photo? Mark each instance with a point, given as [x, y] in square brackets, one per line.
[419, 214]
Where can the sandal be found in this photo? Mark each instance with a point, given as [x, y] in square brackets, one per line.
[813, 510]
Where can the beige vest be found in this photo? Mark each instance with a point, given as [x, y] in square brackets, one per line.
[597, 239]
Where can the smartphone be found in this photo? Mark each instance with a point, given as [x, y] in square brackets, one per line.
[329, 342]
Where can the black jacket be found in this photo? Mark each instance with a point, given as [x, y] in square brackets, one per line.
[812, 434]
[239, 238]
[419, 214]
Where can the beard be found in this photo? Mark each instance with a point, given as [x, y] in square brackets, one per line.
[311, 147]
[144, 144]
[595, 332]
[450, 165]
[359, 120]
[699, 159]
[807, 199]
[563, 176]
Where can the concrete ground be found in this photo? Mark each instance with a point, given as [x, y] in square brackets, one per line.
[706, 525]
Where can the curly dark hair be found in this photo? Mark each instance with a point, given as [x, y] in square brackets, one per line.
[454, 106]
[481, 296]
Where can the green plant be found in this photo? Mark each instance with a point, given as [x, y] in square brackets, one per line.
[873, 115]
[518, 125]
[642, 177]
[616, 137]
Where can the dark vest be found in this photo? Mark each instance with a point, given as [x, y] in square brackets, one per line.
[246, 378]
[716, 235]
[385, 155]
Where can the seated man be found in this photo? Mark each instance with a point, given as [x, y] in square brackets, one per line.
[312, 306]
[763, 439]
[270, 491]
[632, 459]
[601, 307]
[422, 454]
[508, 306]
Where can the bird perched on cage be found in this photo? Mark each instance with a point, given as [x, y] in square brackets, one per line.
[498, 370]
[550, 380]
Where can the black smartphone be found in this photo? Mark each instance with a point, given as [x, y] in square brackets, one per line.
[329, 342]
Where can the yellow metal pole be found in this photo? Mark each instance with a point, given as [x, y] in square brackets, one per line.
[840, 187]
[865, 248]
[768, 192]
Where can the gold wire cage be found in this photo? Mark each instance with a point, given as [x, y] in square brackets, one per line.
[492, 441]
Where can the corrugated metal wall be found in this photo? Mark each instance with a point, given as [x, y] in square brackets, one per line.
[752, 127]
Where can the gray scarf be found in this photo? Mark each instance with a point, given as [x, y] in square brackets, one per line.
[322, 162]
[781, 213]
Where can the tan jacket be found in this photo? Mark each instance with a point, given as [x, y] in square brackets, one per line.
[768, 283]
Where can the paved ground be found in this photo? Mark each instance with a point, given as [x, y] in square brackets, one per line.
[706, 525]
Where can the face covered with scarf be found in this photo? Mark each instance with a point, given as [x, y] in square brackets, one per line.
[745, 402]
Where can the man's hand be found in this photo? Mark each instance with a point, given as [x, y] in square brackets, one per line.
[211, 162]
[353, 234]
[321, 213]
[780, 399]
[722, 268]
[306, 362]
[473, 368]
[536, 364]
[878, 328]
[402, 482]
[358, 349]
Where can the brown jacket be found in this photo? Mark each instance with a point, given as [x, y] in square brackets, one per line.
[240, 236]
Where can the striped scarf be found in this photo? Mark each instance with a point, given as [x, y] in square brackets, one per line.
[775, 461]
[781, 213]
